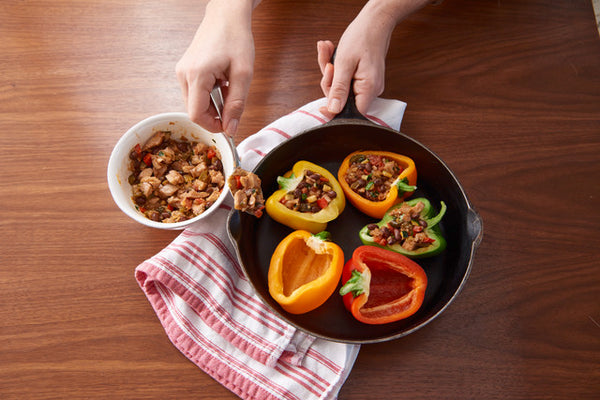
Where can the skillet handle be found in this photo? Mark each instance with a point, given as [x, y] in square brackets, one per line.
[349, 111]
[474, 227]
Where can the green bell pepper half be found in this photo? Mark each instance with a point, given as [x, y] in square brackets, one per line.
[435, 242]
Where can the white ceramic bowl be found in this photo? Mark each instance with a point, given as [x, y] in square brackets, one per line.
[180, 126]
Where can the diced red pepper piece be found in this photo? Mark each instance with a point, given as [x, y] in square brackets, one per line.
[322, 203]
[148, 159]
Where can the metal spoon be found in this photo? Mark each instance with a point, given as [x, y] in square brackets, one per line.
[245, 186]
[216, 95]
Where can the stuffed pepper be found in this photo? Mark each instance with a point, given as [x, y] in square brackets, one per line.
[410, 228]
[304, 271]
[381, 286]
[308, 198]
[373, 181]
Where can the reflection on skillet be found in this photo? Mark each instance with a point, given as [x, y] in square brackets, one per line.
[256, 239]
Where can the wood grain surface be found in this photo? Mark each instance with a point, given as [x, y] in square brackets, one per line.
[506, 92]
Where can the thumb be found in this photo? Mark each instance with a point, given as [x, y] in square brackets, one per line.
[340, 87]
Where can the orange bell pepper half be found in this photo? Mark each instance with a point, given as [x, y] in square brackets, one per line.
[304, 271]
[402, 187]
[381, 286]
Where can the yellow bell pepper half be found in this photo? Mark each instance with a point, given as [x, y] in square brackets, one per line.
[314, 222]
[304, 271]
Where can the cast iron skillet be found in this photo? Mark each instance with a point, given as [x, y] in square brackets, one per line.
[327, 145]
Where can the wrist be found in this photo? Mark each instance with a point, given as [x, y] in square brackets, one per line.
[238, 10]
[392, 12]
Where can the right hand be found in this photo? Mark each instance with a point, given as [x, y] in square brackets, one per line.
[222, 51]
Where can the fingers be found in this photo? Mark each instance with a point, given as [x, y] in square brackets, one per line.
[195, 88]
[235, 96]
[365, 93]
[327, 79]
[325, 49]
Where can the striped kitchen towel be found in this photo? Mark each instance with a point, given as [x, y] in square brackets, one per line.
[211, 313]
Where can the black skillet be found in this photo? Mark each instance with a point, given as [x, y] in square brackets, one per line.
[327, 145]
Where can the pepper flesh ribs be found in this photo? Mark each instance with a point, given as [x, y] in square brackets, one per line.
[304, 271]
[381, 286]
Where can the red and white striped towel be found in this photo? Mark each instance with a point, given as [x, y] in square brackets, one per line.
[211, 313]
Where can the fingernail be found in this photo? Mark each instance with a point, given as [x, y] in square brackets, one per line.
[334, 106]
[232, 126]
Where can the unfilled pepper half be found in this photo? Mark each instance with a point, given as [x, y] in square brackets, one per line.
[304, 271]
[373, 181]
[308, 198]
[410, 228]
[381, 286]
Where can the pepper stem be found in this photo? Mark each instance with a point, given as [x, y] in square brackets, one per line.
[404, 187]
[436, 220]
[286, 183]
[324, 235]
[356, 284]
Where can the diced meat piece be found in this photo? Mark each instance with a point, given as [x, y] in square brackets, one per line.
[167, 155]
[199, 185]
[217, 178]
[167, 190]
[146, 172]
[155, 140]
[389, 166]
[152, 180]
[198, 208]
[159, 170]
[146, 189]
[198, 170]
[178, 165]
[196, 159]
[410, 244]
[200, 148]
[191, 194]
[240, 200]
[174, 177]
[416, 210]
[153, 202]
[213, 196]
[250, 181]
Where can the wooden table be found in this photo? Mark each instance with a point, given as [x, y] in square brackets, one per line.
[506, 92]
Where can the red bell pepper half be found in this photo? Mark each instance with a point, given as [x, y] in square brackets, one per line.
[382, 286]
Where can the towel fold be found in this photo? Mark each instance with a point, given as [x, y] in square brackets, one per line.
[211, 313]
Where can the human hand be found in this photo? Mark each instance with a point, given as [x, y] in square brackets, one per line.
[360, 54]
[222, 51]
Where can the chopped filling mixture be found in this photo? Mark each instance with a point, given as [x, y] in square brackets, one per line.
[406, 228]
[173, 180]
[311, 195]
[371, 176]
[247, 192]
